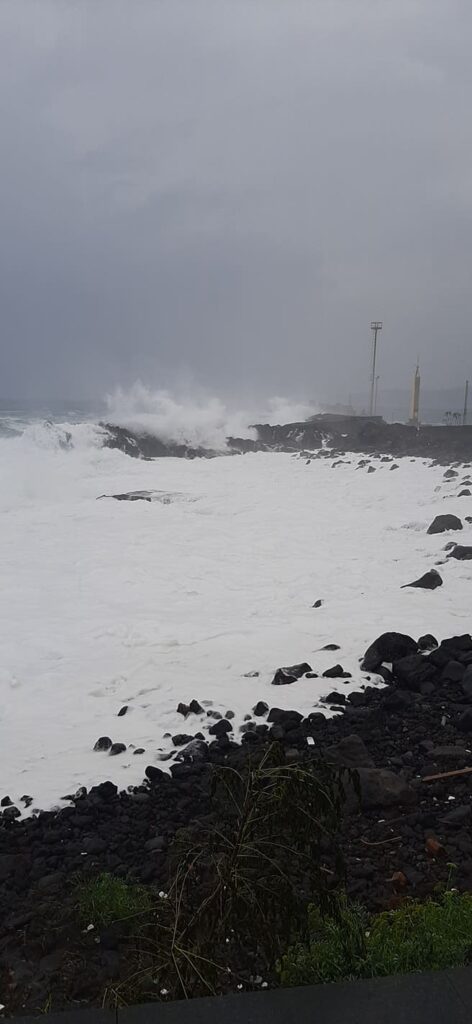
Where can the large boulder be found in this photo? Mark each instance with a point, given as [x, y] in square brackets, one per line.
[442, 523]
[350, 752]
[380, 787]
[388, 647]
[413, 671]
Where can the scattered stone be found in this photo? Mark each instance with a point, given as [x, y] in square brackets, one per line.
[382, 788]
[155, 845]
[251, 675]
[461, 551]
[413, 671]
[453, 672]
[318, 603]
[334, 698]
[449, 474]
[443, 523]
[371, 469]
[388, 647]
[331, 647]
[154, 774]
[465, 721]
[336, 672]
[285, 676]
[434, 848]
[6, 802]
[350, 752]
[465, 493]
[260, 709]
[214, 714]
[395, 466]
[123, 710]
[429, 581]
[180, 739]
[221, 728]
[10, 813]
[139, 750]
[117, 748]
[103, 743]
[311, 675]
[229, 715]
[427, 642]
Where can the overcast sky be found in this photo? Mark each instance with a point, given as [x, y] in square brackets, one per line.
[233, 189]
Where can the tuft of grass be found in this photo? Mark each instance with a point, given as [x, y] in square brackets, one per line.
[426, 936]
[104, 899]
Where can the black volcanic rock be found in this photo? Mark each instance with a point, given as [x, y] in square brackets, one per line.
[427, 642]
[429, 581]
[388, 647]
[460, 551]
[284, 676]
[443, 523]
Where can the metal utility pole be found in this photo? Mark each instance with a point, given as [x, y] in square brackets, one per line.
[376, 326]
[376, 393]
[466, 396]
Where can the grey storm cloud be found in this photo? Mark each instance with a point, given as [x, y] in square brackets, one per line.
[234, 189]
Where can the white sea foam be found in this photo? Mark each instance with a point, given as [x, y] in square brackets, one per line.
[205, 422]
[106, 603]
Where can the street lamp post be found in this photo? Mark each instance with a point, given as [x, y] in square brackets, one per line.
[376, 326]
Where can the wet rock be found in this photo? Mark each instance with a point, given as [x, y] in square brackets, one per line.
[336, 672]
[10, 813]
[461, 551]
[139, 750]
[251, 675]
[260, 709]
[395, 466]
[465, 493]
[311, 675]
[427, 642]
[285, 676]
[453, 672]
[334, 698]
[429, 581]
[103, 743]
[181, 738]
[105, 791]
[123, 710]
[221, 728]
[154, 774]
[350, 752]
[117, 748]
[383, 788]
[331, 647]
[449, 474]
[412, 671]
[464, 723]
[6, 802]
[443, 523]
[457, 817]
[388, 647]
[318, 604]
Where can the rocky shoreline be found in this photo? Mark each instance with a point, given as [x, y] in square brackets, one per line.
[332, 436]
[404, 740]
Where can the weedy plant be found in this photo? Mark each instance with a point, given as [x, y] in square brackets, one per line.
[240, 886]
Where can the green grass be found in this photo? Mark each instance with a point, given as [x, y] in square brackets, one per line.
[417, 937]
[105, 898]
